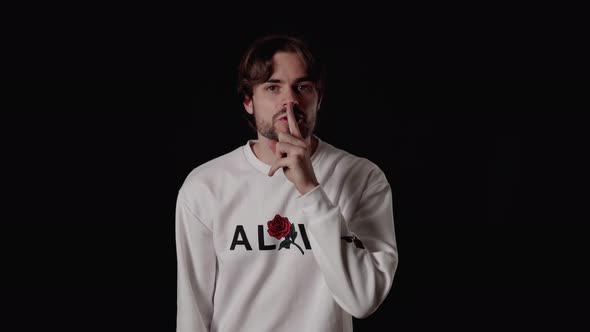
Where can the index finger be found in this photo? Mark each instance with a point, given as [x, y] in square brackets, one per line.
[293, 126]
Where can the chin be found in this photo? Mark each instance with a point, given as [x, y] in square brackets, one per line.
[282, 128]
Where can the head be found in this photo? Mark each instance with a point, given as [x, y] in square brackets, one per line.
[274, 72]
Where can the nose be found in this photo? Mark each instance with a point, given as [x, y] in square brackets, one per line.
[289, 98]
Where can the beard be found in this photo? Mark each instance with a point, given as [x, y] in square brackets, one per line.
[269, 131]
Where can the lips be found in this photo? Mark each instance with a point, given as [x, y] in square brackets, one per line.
[299, 118]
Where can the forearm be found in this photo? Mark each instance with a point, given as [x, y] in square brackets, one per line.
[359, 278]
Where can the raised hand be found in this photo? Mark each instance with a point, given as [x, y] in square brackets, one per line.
[295, 157]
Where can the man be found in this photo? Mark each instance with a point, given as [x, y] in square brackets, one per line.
[286, 233]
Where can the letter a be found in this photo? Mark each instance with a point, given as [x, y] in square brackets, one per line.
[244, 241]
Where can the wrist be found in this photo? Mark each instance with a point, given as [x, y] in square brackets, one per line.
[309, 187]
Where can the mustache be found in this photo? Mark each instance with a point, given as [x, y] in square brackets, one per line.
[296, 111]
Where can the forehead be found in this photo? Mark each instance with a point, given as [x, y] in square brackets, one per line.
[288, 63]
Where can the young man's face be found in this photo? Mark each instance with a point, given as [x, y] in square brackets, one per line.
[288, 84]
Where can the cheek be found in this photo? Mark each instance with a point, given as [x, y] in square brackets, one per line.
[312, 103]
[264, 105]
[312, 111]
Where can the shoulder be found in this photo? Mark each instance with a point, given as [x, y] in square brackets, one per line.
[204, 177]
[353, 165]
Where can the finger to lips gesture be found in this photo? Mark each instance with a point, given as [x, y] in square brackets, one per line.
[289, 145]
[297, 162]
[293, 126]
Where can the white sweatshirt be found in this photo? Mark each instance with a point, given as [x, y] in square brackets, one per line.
[256, 256]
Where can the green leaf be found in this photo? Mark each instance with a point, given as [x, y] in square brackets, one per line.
[285, 244]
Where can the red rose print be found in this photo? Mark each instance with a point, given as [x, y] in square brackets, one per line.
[281, 227]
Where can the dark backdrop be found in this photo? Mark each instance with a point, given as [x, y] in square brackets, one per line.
[486, 195]
[487, 175]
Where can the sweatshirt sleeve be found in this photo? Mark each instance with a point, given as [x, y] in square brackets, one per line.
[358, 257]
[196, 269]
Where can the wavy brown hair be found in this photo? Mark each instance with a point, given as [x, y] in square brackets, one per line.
[256, 65]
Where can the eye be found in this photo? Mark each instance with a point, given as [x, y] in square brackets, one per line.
[272, 88]
[304, 87]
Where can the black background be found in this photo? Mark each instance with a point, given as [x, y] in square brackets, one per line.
[108, 112]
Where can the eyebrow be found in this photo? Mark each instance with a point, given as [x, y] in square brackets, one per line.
[300, 79]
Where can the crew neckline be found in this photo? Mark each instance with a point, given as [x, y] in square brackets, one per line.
[264, 168]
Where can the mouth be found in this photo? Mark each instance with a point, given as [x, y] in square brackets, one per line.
[299, 117]
[299, 121]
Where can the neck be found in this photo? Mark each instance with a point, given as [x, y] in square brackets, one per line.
[265, 149]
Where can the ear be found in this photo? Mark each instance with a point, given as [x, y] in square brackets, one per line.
[248, 105]
[319, 103]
